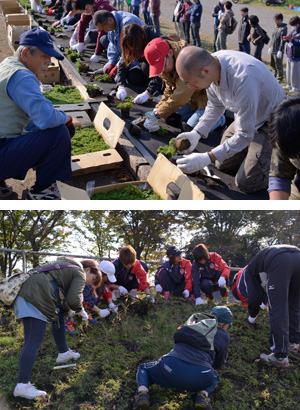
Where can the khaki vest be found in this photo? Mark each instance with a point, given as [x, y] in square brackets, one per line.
[13, 120]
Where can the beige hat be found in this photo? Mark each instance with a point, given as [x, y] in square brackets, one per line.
[109, 269]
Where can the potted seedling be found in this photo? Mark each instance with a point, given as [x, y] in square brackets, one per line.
[51, 30]
[40, 22]
[72, 55]
[78, 65]
[93, 90]
[125, 108]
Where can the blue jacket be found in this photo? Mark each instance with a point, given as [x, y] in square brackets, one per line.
[196, 12]
[114, 48]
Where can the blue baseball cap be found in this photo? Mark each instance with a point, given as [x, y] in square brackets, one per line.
[173, 251]
[42, 40]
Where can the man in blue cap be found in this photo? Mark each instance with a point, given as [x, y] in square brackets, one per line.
[33, 133]
[191, 364]
[175, 275]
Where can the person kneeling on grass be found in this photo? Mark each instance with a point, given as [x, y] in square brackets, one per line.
[131, 274]
[175, 275]
[45, 299]
[191, 364]
[33, 133]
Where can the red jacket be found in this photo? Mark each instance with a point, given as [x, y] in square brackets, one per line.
[220, 264]
[184, 11]
[85, 20]
[141, 275]
[185, 264]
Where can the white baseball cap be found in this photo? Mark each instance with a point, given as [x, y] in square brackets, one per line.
[109, 269]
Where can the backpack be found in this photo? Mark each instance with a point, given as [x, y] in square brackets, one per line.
[232, 25]
[198, 331]
[10, 287]
[266, 37]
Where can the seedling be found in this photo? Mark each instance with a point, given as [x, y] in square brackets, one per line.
[162, 131]
[129, 193]
[168, 150]
[104, 78]
[78, 65]
[93, 90]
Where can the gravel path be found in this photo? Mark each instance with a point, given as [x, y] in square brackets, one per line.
[264, 13]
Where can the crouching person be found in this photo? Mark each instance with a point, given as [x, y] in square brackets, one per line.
[191, 364]
[175, 275]
[33, 133]
[44, 298]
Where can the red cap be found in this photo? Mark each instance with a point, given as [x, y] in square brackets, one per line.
[155, 53]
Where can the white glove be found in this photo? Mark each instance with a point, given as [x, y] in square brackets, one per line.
[194, 162]
[123, 291]
[199, 301]
[263, 306]
[221, 282]
[83, 314]
[152, 300]
[121, 93]
[186, 293]
[141, 98]
[193, 137]
[279, 54]
[71, 313]
[269, 50]
[78, 47]
[95, 58]
[114, 307]
[251, 319]
[64, 20]
[72, 42]
[151, 123]
[104, 313]
[158, 288]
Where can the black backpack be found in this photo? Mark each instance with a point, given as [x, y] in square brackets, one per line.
[266, 37]
[232, 25]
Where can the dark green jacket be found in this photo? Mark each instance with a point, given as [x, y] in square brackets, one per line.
[39, 292]
[277, 42]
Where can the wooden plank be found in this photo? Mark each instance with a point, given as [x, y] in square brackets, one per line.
[95, 161]
[72, 107]
[80, 119]
[87, 98]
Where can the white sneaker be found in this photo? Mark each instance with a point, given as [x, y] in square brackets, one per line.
[287, 87]
[270, 358]
[50, 193]
[28, 391]
[294, 90]
[68, 355]
[293, 347]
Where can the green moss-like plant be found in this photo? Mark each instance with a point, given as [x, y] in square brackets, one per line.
[92, 87]
[104, 78]
[129, 193]
[51, 30]
[78, 65]
[87, 140]
[31, 11]
[162, 131]
[64, 95]
[126, 104]
[168, 150]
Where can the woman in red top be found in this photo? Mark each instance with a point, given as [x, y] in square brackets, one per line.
[184, 12]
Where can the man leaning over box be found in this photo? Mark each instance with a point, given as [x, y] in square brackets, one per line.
[32, 133]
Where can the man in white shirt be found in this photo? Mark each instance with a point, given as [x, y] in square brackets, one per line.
[240, 83]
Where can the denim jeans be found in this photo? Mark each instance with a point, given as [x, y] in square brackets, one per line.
[245, 47]
[174, 373]
[195, 29]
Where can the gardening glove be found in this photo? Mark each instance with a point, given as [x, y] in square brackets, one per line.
[109, 68]
[123, 291]
[95, 58]
[78, 47]
[263, 306]
[64, 20]
[151, 299]
[70, 127]
[151, 123]
[113, 72]
[50, 11]
[158, 288]
[83, 314]
[269, 50]
[121, 93]
[114, 307]
[194, 162]
[222, 282]
[251, 319]
[279, 54]
[72, 42]
[193, 137]
[104, 312]
[199, 301]
[186, 293]
[71, 313]
[141, 98]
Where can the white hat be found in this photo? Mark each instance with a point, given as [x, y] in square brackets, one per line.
[109, 269]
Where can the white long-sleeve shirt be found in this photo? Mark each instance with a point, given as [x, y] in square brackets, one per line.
[247, 88]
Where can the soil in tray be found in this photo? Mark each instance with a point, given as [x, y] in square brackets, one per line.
[87, 140]
[129, 193]
[64, 95]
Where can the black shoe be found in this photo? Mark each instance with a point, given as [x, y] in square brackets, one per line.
[202, 402]
[141, 401]
[185, 127]
[49, 193]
